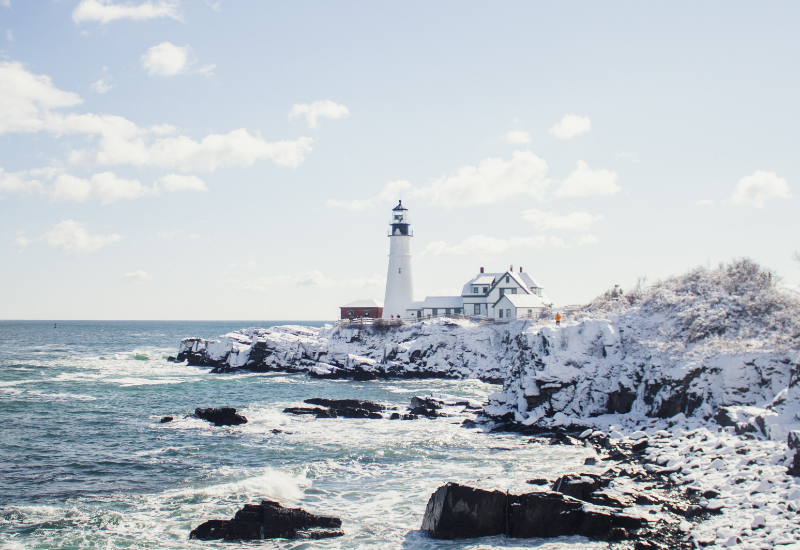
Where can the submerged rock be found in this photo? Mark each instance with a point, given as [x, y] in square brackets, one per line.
[167, 419]
[456, 511]
[269, 520]
[346, 404]
[226, 416]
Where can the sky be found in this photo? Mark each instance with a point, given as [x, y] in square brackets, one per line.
[234, 159]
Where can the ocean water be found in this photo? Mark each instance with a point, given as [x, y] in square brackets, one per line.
[85, 462]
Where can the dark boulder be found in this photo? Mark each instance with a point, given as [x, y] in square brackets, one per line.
[547, 514]
[361, 375]
[269, 520]
[225, 416]
[346, 404]
[538, 481]
[580, 486]
[455, 511]
[794, 467]
[167, 419]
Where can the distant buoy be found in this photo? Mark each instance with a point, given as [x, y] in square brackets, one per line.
[56, 325]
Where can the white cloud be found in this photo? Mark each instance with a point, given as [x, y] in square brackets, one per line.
[760, 187]
[72, 236]
[483, 246]
[175, 235]
[318, 109]
[108, 188]
[704, 202]
[571, 126]
[576, 221]
[493, 180]
[207, 70]
[518, 137]
[18, 183]
[584, 182]
[173, 183]
[103, 85]
[27, 99]
[314, 279]
[391, 192]
[139, 277]
[166, 59]
[5, 3]
[105, 11]
[27, 104]
[10, 35]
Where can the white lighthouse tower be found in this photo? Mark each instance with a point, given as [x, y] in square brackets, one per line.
[399, 285]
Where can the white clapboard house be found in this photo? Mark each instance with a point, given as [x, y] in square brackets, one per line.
[507, 295]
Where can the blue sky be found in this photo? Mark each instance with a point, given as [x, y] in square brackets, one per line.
[190, 159]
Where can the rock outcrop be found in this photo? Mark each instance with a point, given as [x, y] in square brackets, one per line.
[456, 511]
[226, 416]
[269, 520]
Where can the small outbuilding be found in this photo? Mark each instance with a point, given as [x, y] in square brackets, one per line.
[518, 306]
[366, 309]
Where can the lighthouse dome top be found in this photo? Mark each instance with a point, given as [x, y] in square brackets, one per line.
[400, 206]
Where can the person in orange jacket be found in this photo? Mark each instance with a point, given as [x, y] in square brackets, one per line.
[558, 319]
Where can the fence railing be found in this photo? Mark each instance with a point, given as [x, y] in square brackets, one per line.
[362, 321]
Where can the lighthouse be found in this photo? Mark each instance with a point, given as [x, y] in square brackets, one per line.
[399, 285]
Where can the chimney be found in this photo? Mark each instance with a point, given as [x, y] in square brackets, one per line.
[511, 269]
[481, 270]
[520, 269]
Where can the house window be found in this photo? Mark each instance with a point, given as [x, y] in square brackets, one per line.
[477, 309]
[419, 313]
[366, 313]
[507, 278]
[350, 313]
[458, 311]
[530, 311]
[485, 289]
[475, 289]
[447, 311]
[513, 291]
[435, 311]
[501, 313]
[508, 313]
[502, 291]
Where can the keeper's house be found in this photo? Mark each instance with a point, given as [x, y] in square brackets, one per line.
[367, 309]
[508, 295]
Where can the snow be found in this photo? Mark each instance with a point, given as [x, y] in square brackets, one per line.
[704, 367]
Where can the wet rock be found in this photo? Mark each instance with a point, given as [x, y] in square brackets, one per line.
[167, 419]
[172, 359]
[590, 461]
[269, 520]
[226, 416]
[580, 486]
[561, 438]
[315, 411]
[538, 481]
[346, 404]
[423, 406]
[456, 511]
[398, 416]
[361, 375]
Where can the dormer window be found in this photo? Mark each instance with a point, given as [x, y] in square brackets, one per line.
[475, 289]
[485, 289]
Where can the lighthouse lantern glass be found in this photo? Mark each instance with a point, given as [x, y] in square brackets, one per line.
[399, 216]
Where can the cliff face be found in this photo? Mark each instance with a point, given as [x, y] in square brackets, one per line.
[689, 345]
[440, 348]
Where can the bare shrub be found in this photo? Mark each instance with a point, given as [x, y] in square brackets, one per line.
[735, 300]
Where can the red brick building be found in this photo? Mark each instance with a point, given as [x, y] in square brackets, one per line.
[368, 309]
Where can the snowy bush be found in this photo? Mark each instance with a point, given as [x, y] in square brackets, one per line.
[737, 300]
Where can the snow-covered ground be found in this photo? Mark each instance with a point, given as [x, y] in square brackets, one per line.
[707, 365]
